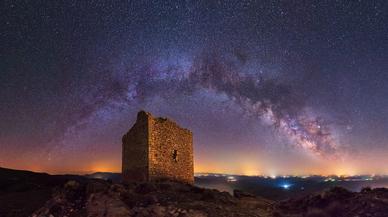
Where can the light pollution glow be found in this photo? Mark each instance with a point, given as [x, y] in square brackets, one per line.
[237, 166]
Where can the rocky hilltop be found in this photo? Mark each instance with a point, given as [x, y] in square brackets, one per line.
[99, 198]
[24, 193]
[337, 202]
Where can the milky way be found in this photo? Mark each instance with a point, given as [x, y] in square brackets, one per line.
[275, 102]
[254, 80]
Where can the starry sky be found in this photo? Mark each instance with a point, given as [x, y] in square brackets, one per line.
[267, 87]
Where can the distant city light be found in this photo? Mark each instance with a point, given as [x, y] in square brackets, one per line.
[231, 179]
[330, 180]
[286, 186]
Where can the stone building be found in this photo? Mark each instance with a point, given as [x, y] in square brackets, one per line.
[157, 148]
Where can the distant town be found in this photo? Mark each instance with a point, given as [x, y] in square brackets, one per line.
[286, 186]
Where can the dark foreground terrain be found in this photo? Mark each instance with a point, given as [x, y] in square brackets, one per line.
[24, 193]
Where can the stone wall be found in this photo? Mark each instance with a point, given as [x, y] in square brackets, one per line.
[170, 151]
[157, 148]
[135, 150]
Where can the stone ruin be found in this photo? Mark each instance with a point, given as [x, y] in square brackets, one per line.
[157, 149]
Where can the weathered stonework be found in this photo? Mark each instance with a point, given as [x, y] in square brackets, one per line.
[157, 148]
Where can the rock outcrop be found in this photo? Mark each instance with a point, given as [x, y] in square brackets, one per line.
[337, 202]
[24, 193]
[99, 198]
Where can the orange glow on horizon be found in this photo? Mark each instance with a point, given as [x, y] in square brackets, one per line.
[105, 167]
[110, 167]
[234, 163]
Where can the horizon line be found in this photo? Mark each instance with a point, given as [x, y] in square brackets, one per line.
[195, 173]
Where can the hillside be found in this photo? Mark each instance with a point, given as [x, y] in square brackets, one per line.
[24, 193]
[337, 202]
[74, 196]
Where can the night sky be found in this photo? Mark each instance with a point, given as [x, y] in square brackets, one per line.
[267, 87]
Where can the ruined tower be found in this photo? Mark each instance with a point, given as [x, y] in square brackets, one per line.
[157, 148]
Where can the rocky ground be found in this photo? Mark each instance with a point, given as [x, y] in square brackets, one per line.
[99, 198]
[337, 202]
[23, 193]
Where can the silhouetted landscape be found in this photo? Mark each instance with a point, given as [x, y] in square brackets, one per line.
[24, 193]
